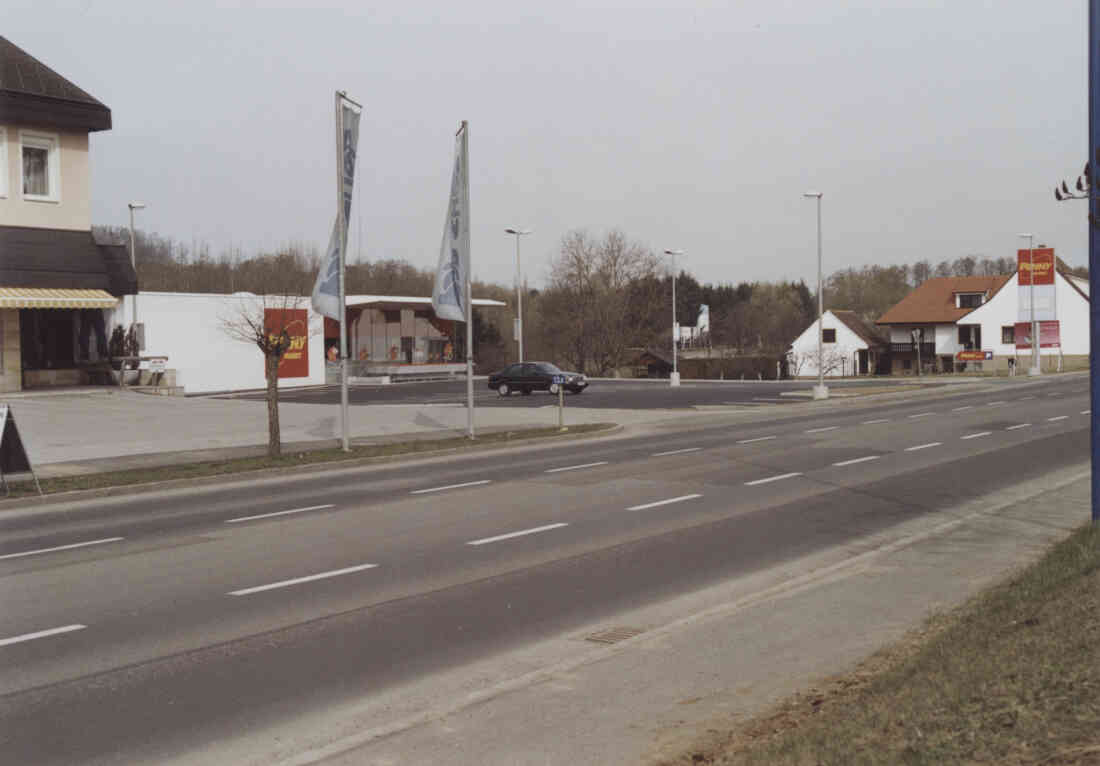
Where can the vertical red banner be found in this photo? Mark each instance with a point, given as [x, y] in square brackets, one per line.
[295, 362]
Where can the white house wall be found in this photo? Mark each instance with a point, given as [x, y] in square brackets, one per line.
[805, 348]
[1000, 311]
[188, 329]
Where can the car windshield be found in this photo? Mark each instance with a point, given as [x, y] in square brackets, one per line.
[547, 367]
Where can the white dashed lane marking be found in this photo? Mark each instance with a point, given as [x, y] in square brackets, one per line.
[1019, 425]
[923, 446]
[771, 479]
[975, 436]
[521, 533]
[41, 634]
[671, 500]
[858, 460]
[61, 548]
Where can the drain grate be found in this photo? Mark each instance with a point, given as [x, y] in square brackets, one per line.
[613, 635]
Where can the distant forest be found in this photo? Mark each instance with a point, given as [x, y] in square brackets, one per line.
[607, 296]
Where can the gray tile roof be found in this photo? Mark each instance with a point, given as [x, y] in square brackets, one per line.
[31, 92]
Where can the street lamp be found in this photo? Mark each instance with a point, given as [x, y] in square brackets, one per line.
[1034, 369]
[674, 380]
[519, 295]
[820, 391]
[133, 257]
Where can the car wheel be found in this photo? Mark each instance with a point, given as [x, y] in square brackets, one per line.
[526, 391]
[504, 389]
[554, 388]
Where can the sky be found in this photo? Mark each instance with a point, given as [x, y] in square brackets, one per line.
[933, 129]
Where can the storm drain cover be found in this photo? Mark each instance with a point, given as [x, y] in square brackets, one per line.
[613, 635]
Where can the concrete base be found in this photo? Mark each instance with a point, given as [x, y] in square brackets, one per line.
[674, 379]
[1033, 371]
[821, 392]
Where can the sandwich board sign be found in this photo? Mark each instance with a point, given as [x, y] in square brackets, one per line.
[13, 456]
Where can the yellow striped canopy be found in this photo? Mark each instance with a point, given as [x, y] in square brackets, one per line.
[49, 298]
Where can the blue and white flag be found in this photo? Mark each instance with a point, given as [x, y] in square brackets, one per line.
[449, 295]
[326, 290]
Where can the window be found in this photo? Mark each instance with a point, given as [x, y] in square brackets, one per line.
[970, 300]
[3, 163]
[1008, 334]
[41, 167]
[828, 336]
[907, 364]
[392, 317]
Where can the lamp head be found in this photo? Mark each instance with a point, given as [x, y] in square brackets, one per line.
[518, 232]
[674, 252]
[814, 194]
[136, 205]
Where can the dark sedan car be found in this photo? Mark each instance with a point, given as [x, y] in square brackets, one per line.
[535, 376]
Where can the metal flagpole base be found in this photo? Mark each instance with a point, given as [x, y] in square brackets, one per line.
[821, 392]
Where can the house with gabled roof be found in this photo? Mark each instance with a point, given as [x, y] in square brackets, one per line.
[57, 281]
[850, 346]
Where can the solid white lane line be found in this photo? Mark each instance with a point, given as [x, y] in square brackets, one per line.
[676, 451]
[1018, 425]
[922, 414]
[297, 580]
[280, 513]
[575, 467]
[521, 533]
[1059, 417]
[62, 547]
[975, 436]
[450, 486]
[41, 634]
[994, 404]
[923, 446]
[770, 479]
[858, 460]
[821, 430]
[872, 422]
[757, 439]
[679, 499]
[960, 409]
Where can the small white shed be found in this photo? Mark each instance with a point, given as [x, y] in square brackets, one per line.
[851, 347]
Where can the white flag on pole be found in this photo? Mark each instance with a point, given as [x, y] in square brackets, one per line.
[449, 295]
[326, 290]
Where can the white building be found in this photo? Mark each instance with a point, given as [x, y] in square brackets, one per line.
[850, 347]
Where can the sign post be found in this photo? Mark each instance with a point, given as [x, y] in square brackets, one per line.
[13, 456]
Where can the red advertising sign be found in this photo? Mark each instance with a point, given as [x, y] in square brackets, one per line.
[974, 356]
[295, 362]
[1049, 335]
[1039, 261]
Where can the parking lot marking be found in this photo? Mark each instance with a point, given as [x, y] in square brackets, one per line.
[858, 460]
[41, 634]
[521, 533]
[575, 467]
[450, 486]
[975, 436]
[671, 500]
[923, 446]
[771, 479]
[299, 580]
[279, 513]
[676, 451]
[61, 548]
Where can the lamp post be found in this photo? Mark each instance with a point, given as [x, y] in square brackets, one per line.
[820, 391]
[519, 293]
[133, 257]
[1035, 368]
[674, 379]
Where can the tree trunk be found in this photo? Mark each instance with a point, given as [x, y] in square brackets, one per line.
[271, 371]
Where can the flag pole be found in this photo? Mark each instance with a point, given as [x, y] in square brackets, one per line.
[469, 298]
[343, 227]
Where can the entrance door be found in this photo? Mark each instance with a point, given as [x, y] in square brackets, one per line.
[862, 361]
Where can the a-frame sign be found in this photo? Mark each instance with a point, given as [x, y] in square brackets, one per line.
[13, 456]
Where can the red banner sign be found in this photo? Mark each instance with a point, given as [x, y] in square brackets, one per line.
[1049, 335]
[1039, 262]
[295, 362]
[974, 356]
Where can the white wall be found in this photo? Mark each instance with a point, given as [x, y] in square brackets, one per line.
[804, 349]
[947, 338]
[1001, 311]
[187, 328]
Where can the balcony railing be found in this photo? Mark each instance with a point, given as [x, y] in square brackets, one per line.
[926, 349]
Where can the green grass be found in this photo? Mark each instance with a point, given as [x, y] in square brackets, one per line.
[1011, 677]
[313, 457]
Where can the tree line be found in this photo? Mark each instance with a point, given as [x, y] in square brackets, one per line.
[607, 297]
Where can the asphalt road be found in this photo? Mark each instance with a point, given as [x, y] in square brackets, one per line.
[136, 629]
[602, 394]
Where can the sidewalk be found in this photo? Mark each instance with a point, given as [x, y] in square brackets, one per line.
[701, 662]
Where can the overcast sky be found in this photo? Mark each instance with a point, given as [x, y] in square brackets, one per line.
[934, 129]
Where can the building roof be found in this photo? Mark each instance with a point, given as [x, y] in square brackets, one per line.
[31, 93]
[63, 259]
[933, 302]
[866, 332]
[384, 301]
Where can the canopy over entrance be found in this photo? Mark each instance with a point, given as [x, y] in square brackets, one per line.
[51, 298]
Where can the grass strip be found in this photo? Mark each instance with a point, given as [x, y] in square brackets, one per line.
[1010, 677]
[146, 475]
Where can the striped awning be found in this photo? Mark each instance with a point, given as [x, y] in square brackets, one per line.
[48, 298]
